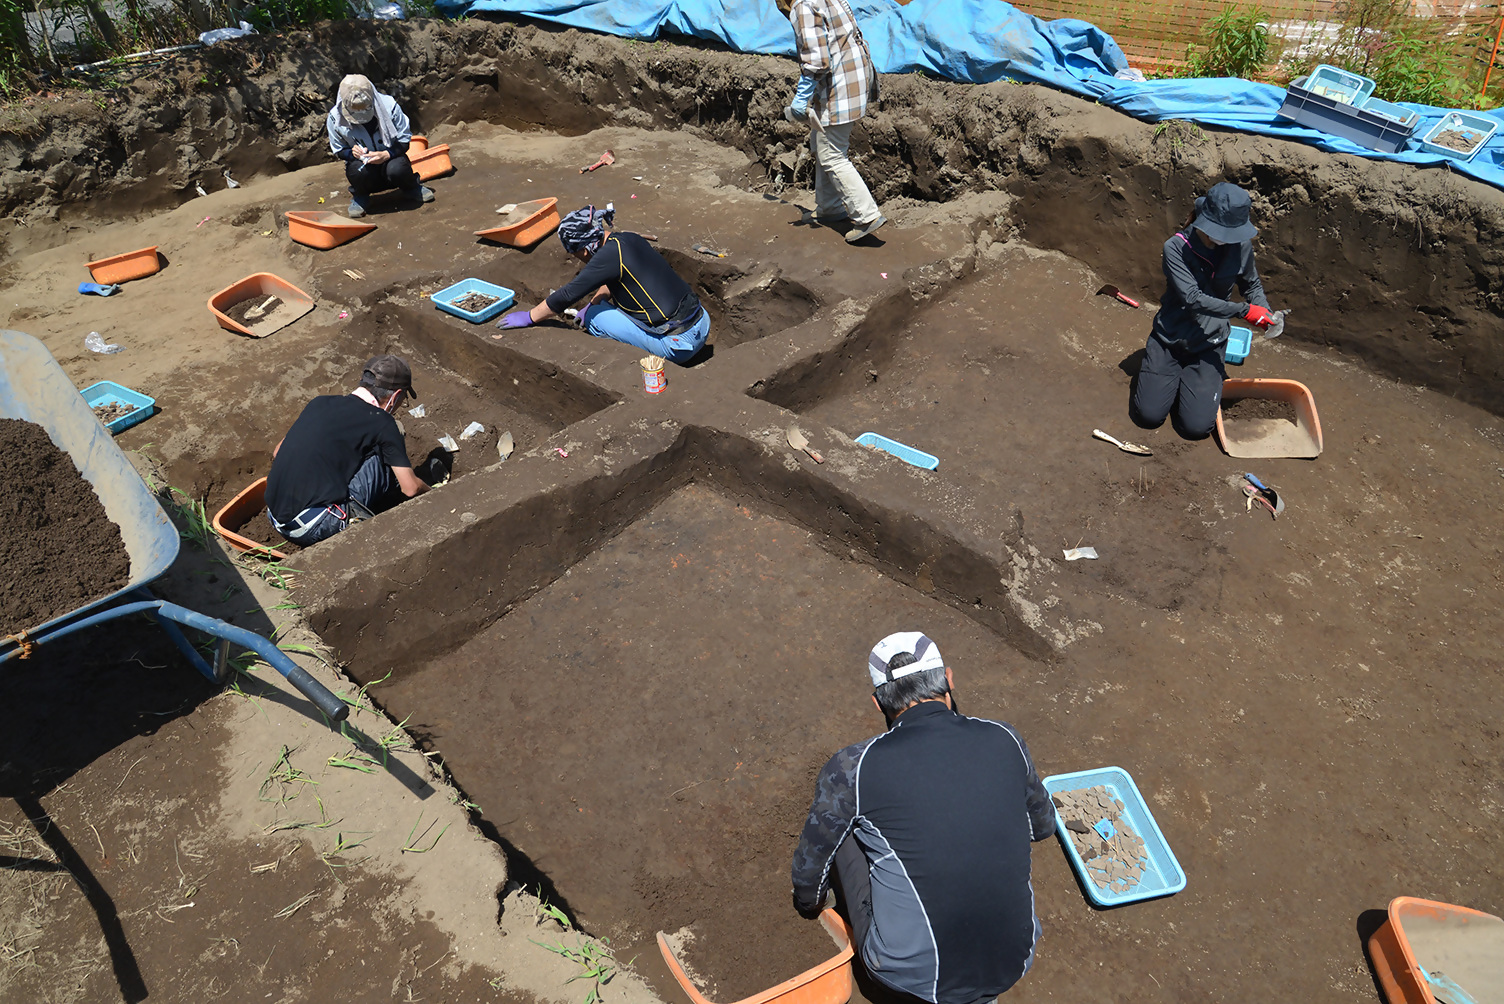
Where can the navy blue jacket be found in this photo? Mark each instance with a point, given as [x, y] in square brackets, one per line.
[1195, 310]
[944, 808]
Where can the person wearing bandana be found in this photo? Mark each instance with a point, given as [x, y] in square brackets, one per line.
[635, 296]
[368, 131]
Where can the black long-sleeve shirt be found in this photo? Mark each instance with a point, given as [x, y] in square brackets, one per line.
[944, 808]
[1198, 281]
[642, 284]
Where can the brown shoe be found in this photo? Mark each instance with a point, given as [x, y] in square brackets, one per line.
[861, 230]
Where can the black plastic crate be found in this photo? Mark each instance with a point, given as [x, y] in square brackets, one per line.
[1371, 129]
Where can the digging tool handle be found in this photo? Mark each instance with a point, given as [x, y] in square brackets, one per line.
[1126, 299]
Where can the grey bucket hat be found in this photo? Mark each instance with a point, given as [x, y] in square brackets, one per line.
[1222, 214]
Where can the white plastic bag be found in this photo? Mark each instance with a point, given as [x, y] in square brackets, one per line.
[95, 342]
[225, 34]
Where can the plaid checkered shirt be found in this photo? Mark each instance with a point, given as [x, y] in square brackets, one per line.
[831, 51]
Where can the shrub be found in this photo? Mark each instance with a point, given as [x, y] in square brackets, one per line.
[1237, 43]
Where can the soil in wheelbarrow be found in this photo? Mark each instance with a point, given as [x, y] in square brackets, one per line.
[58, 548]
[1245, 408]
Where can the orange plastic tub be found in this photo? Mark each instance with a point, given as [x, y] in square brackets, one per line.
[432, 162]
[324, 230]
[416, 145]
[239, 511]
[125, 267]
[526, 225]
[295, 303]
[1453, 943]
[828, 983]
[1271, 437]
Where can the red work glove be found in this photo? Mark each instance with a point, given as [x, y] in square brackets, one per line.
[1261, 316]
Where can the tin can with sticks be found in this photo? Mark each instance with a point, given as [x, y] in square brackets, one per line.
[654, 380]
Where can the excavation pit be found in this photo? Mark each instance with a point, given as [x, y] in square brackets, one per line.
[680, 684]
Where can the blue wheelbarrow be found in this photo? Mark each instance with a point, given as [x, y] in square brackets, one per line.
[34, 387]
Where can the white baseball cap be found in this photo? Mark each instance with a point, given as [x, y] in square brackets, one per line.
[925, 652]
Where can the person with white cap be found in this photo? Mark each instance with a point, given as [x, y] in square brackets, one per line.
[1184, 366]
[368, 131]
[927, 828]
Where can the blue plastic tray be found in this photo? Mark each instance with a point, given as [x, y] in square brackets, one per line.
[110, 392]
[902, 451]
[1162, 876]
[1339, 85]
[444, 299]
[1239, 342]
[1460, 120]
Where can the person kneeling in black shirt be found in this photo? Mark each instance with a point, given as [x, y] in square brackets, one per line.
[635, 296]
[344, 459]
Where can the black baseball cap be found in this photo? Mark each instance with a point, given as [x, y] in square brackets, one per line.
[388, 373]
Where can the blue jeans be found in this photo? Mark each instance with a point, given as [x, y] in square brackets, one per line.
[373, 489]
[604, 321]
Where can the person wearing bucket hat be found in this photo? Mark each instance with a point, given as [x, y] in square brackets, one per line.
[344, 459]
[635, 296]
[924, 831]
[1204, 261]
[368, 131]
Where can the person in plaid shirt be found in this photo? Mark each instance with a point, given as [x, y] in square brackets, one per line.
[836, 80]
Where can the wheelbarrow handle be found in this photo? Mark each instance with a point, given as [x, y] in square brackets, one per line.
[333, 708]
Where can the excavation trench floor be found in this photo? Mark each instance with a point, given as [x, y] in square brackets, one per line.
[647, 729]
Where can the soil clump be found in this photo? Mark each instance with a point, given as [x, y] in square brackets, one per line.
[58, 548]
[1245, 408]
[1455, 139]
[260, 530]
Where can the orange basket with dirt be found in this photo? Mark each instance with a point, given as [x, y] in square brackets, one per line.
[323, 230]
[526, 224]
[239, 511]
[828, 983]
[1270, 437]
[261, 318]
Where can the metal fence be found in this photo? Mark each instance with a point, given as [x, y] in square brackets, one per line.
[1155, 33]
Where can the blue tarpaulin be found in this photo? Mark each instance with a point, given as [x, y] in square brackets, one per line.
[979, 41]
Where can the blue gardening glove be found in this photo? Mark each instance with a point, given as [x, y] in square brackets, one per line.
[99, 289]
[517, 319]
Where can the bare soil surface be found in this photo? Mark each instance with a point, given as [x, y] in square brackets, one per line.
[58, 548]
[700, 639]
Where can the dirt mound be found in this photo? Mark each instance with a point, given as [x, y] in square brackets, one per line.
[58, 548]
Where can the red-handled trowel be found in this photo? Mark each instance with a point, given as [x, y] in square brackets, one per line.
[1116, 293]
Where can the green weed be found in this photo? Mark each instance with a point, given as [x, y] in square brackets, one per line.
[413, 843]
[281, 778]
[194, 524]
[597, 963]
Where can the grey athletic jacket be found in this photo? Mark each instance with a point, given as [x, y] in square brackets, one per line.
[1194, 314]
[944, 808]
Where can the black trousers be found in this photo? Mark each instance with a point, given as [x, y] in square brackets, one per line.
[1188, 382]
[367, 178]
